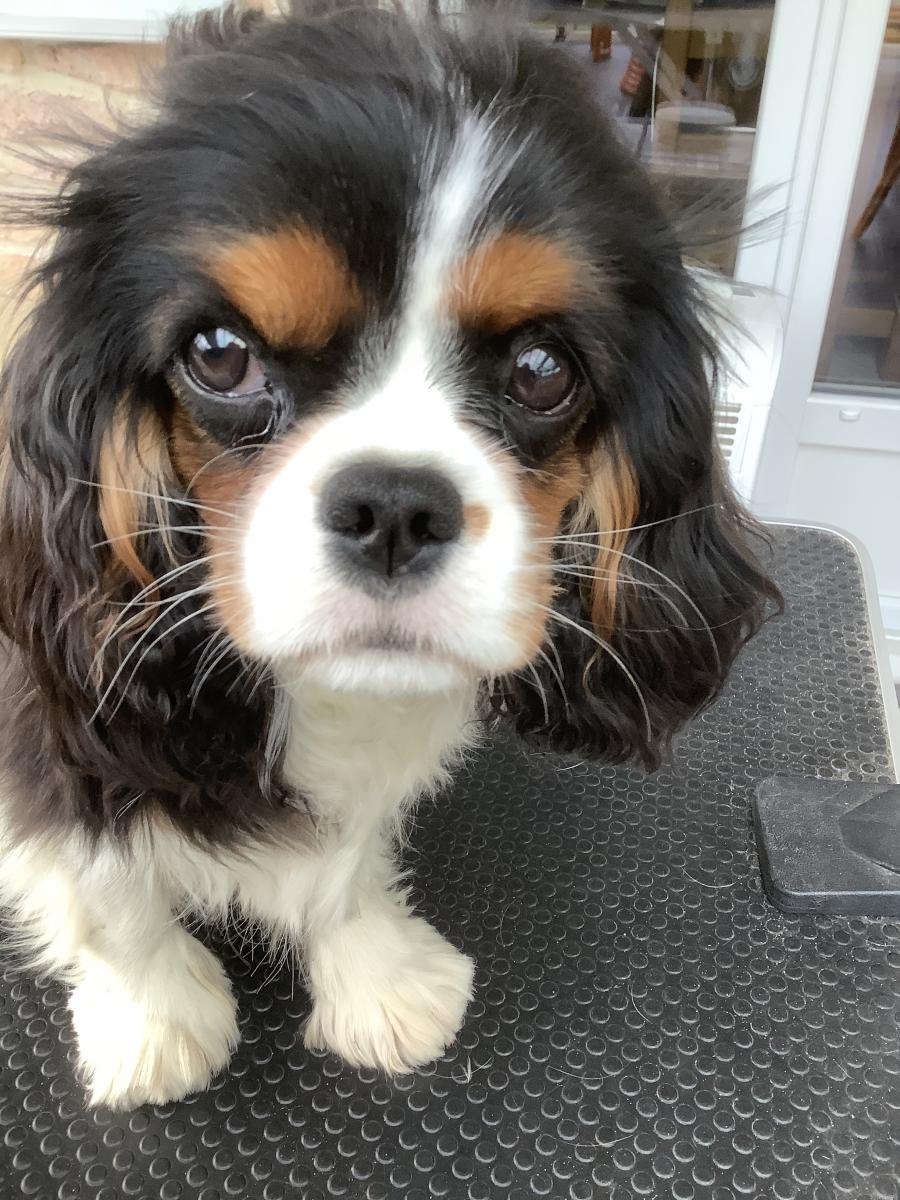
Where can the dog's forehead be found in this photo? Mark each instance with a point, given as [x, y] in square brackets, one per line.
[455, 254]
[450, 226]
[310, 201]
[337, 133]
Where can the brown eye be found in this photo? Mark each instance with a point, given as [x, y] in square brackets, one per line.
[220, 361]
[543, 379]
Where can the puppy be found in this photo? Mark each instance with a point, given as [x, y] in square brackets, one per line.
[364, 401]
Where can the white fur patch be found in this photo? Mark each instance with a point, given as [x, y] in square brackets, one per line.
[156, 1039]
[388, 991]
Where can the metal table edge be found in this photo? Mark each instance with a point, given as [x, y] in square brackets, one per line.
[889, 700]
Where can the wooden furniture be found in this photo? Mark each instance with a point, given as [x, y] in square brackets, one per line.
[888, 178]
[601, 42]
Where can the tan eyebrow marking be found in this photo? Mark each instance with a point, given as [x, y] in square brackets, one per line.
[510, 279]
[292, 284]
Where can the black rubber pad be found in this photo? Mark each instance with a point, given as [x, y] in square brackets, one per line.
[645, 1024]
[828, 846]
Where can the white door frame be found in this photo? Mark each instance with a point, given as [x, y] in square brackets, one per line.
[817, 92]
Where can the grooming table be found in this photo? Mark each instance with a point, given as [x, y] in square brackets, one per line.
[645, 1024]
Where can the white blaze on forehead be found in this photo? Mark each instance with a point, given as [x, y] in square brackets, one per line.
[410, 411]
[413, 402]
[457, 198]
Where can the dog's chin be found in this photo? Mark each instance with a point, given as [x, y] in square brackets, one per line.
[384, 672]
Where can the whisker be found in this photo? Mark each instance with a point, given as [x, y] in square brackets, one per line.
[662, 575]
[569, 565]
[589, 633]
[650, 587]
[120, 627]
[704, 627]
[555, 650]
[243, 675]
[132, 649]
[541, 692]
[209, 647]
[129, 804]
[110, 487]
[173, 573]
[262, 674]
[165, 633]
[122, 537]
[119, 624]
[147, 604]
[632, 528]
[224, 454]
[588, 575]
[216, 659]
[556, 676]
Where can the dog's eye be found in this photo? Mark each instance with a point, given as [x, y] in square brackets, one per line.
[543, 379]
[220, 361]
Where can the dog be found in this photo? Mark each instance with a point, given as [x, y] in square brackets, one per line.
[364, 403]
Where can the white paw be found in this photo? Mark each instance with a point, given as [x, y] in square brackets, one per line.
[160, 1041]
[388, 992]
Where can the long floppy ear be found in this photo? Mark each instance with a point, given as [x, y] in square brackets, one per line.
[102, 584]
[85, 481]
[658, 581]
[85, 471]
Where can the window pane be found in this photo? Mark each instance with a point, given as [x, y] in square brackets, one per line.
[861, 343]
[683, 81]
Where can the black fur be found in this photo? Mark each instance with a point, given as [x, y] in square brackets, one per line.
[320, 118]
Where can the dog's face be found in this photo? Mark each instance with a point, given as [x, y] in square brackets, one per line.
[386, 449]
[372, 359]
[381, 329]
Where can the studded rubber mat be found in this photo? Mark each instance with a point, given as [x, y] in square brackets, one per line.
[644, 1024]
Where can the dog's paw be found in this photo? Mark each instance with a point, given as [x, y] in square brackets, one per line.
[388, 992]
[158, 1042]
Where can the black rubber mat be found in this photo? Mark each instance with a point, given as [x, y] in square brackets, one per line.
[645, 1025]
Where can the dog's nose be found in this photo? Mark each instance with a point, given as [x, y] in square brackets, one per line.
[391, 521]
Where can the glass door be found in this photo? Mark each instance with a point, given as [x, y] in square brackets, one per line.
[683, 82]
[831, 447]
[860, 349]
[785, 117]
[686, 83]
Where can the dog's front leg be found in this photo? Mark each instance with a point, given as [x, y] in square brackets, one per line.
[387, 990]
[153, 1012]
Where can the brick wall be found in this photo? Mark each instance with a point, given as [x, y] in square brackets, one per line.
[45, 87]
[51, 86]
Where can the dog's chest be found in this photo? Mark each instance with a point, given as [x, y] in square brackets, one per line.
[347, 751]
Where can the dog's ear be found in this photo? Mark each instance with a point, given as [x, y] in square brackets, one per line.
[658, 582]
[102, 587]
[86, 482]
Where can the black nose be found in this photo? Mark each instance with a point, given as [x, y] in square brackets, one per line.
[391, 521]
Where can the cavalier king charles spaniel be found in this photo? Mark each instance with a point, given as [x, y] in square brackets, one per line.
[364, 403]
